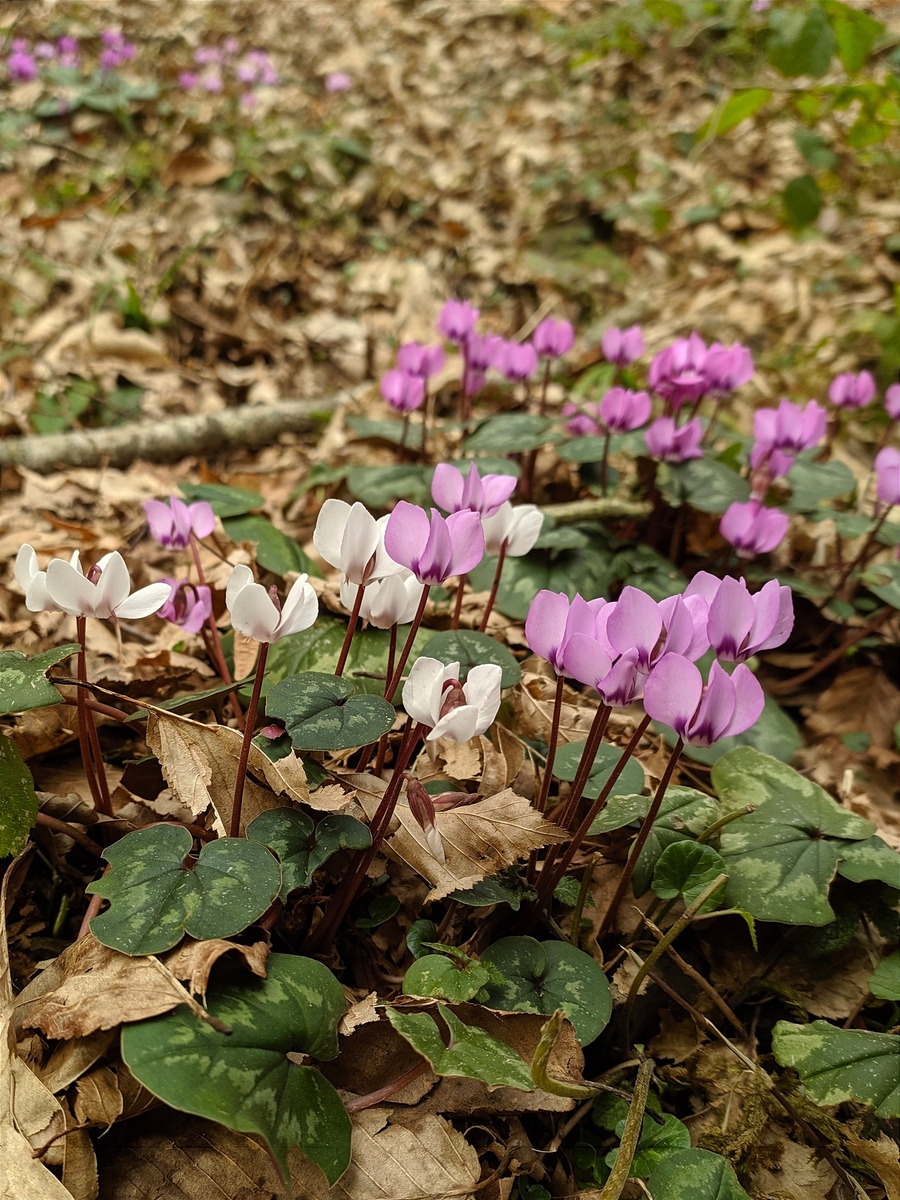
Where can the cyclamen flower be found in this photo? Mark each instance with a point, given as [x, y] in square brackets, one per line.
[729, 704]
[258, 613]
[637, 623]
[513, 529]
[104, 591]
[892, 401]
[434, 696]
[622, 410]
[622, 346]
[740, 624]
[403, 392]
[172, 524]
[677, 373]
[553, 620]
[436, 549]
[189, 605]
[457, 319]
[483, 351]
[852, 391]
[338, 81]
[887, 467]
[419, 360]
[386, 602]
[68, 51]
[517, 361]
[188, 80]
[768, 464]
[421, 805]
[553, 339]
[116, 50]
[20, 64]
[669, 443]
[752, 528]
[33, 581]
[348, 537]
[453, 492]
[789, 427]
[578, 423]
[727, 367]
[45, 50]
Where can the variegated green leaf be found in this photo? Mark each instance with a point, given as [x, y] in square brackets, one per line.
[695, 1175]
[302, 846]
[842, 1064]
[321, 712]
[473, 1053]
[23, 682]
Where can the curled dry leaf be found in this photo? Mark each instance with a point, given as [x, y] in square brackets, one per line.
[194, 168]
[479, 839]
[194, 961]
[98, 1100]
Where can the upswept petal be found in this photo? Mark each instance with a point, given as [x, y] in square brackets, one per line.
[447, 487]
[436, 560]
[406, 533]
[472, 493]
[678, 625]
[581, 617]
[624, 682]
[705, 585]
[329, 531]
[300, 610]
[424, 687]
[784, 619]
[69, 589]
[545, 625]
[496, 490]
[731, 616]
[528, 521]
[254, 614]
[635, 622]
[715, 710]
[466, 542]
[672, 692]
[384, 564]
[159, 520]
[240, 578]
[113, 586]
[26, 566]
[585, 659]
[482, 689]
[203, 519]
[359, 544]
[143, 602]
[749, 701]
[181, 521]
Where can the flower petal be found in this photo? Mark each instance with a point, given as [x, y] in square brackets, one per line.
[406, 534]
[482, 689]
[423, 688]
[113, 585]
[672, 692]
[545, 625]
[466, 542]
[240, 578]
[69, 589]
[447, 487]
[749, 701]
[730, 619]
[301, 608]
[254, 614]
[458, 725]
[329, 531]
[26, 566]
[203, 519]
[144, 601]
[635, 623]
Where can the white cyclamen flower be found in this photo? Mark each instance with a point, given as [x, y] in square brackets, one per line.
[518, 526]
[104, 592]
[348, 537]
[386, 602]
[433, 696]
[257, 613]
[33, 582]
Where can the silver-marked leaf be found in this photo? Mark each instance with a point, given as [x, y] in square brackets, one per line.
[155, 899]
[872, 858]
[303, 846]
[782, 857]
[469, 648]
[885, 983]
[657, 1142]
[322, 712]
[541, 977]
[19, 806]
[842, 1064]
[685, 869]
[23, 682]
[472, 1053]
[511, 433]
[244, 1079]
[445, 978]
[630, 782]
[695, 1175]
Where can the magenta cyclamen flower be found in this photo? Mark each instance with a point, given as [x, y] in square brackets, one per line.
[622, 346]
[553, 620]
[338, 81]
[789, 427]
[403, 392]
[752, 528]
[189, 605]
[666, 442]
[887, 467]
[678, 372]
[20, 64]
[729, 704]
[436, 549]
[172, 524]
[483, 351]
[419, 360]
[553, 339]
[115, 50]
[579, 424]
[892, 401]
[517, 361]
[727, 367]
[484, 495]
[768, 464]
[622, 410]
[638, 624]
[457, 319]
[740, 624]
[852, 391]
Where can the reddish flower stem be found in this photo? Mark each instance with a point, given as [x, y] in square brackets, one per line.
[394, 681]
[249, 726]
[492, 598]
[351, 628]
[91, 759]
[458, 602]
[217, 654]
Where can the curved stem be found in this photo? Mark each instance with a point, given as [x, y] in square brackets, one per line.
[70, 831]
[542, 407]
[489, 607]
[540, 802]
[394, 681]
[249, 726]
[631, 1135]
[457, 606]
[859, 558]
[604, 465]
[351, 628]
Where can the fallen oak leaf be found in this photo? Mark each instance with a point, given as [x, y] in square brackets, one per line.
[193, 961]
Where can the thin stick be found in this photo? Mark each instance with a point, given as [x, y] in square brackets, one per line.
[858, 559]
[785, 686]
[70, 831]
[357, 1103]
[351, 628]
[492, 598]
[575, 935]
[542, 406]
[695, 976]
[249, 726]
[394, 681]
[641, 838]
[457, 606]
[540, 802]
[104, 710]
[604, 465]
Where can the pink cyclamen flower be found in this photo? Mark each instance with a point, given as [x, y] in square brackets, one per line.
[231, 46]
[513, 529]
[767, 464]
[172, 524]
[578, 423]
[204, 55]
[740, 624]
[188, 80]
[104, 592]
[669, 443]
[211, 81]
[553, 620]
[437, 548]
[45, 50]
[419, 360]
[636, 623]
[21, 65]
[457, 319]
[852, 391]
[517, 361]
[789, 427]
[622, 410]
[434, 696]
[403, 392]
[752, 528]
[622, 346]
[386, 602]
[892, 401]
[729, 704]
[727, 367]
[338, 81]
[483, 351]
[349, 538]
[887, 467]
[454, 492]
[678, 372]
[553, 339]
[68, 51]
[189, 605]
[257, 613]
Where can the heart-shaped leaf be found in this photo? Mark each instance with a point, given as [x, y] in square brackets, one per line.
[19, 809]
[695, 1175]
[23, 682]
[244, 1079]
[658, 1140]
[510, 433]
[842, 1064]
[685, 869]
[322, 712]
[542, 977]
[565, 766]
[473, 1053]
[155, 899]
[275, 551]
[303, 846]
[705, 483]
[225, 501]
[445, 978]
[470, 648]
[885, 982]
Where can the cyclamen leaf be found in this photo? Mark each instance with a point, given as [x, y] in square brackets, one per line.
[631, 780]
[244, 1079]
[23, 682]
[301, 845]
[321, 712]
[155, 900]
[19, 809]
[656, 1143]
[695, 1175]
[885, 983]
[469, 648]
[439, 976]
[842, 1064]
[685, 869]
[472, 1053]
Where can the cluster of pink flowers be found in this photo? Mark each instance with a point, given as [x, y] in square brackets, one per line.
[214, 63]
[24, 62]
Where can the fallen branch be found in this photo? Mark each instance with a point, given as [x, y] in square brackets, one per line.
[598, 506]
[247, 427]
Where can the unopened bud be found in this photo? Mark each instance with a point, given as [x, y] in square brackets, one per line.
[422, 808]
[454, 696]
[94, 573]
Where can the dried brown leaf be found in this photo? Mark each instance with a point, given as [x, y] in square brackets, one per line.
[193, 961]
[98, 1100]
[194, 168]
[881, 1155]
